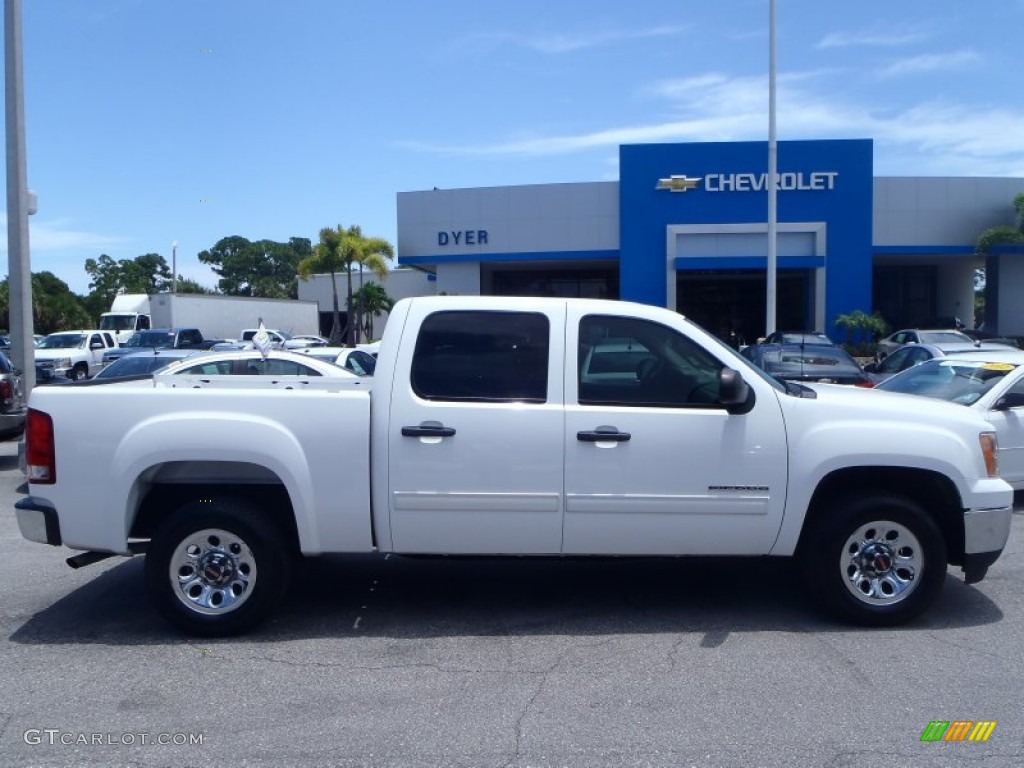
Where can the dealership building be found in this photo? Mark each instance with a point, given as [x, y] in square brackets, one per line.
[685, 227]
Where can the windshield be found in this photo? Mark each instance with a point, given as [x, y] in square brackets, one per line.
[117, 322]
[957, 381]
[809, 360]
[151, 339]
[62, 341]
[945, 337]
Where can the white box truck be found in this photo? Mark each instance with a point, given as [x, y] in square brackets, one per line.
[216, 316]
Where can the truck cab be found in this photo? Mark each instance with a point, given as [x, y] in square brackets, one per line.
[74, 354]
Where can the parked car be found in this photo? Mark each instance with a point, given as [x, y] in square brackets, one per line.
[822, 363]
[12, 400]
[371, 347]
[311, 339]
[74, 354]
[248, 362]
[891, 343]
[351, 359]
[160, 338]
[990, 382]
[912, 354]
[138, 363]
[798, 337]
[279, 339]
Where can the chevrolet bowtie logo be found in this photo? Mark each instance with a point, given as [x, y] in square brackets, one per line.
[678, 183]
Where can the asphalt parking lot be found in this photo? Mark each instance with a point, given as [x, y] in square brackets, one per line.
[387, 661]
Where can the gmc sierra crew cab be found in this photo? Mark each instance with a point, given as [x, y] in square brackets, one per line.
[519, 426]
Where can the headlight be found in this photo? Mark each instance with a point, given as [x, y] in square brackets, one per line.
[64, 362]
[990, 450]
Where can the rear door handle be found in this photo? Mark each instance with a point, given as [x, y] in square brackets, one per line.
[603, 434]
[428, 429]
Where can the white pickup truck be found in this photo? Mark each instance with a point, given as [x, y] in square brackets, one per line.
[513, 426]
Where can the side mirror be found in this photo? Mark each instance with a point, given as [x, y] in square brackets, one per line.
[733, 392]
[97, 345]
[1008, 401]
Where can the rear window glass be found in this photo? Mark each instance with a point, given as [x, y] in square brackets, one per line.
[482, 357]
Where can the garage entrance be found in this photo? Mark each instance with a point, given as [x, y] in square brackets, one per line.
[731, 304]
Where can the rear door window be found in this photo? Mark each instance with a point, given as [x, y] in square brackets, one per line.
[482, 356]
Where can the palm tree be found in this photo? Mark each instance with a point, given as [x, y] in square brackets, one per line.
[374, 301]
[339, 250]
[327, 257]
[375, 261]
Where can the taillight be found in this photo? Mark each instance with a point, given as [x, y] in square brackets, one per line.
[40, 459]
[6, 391]
[865, 383]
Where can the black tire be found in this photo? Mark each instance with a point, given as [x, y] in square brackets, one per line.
[879, 560]
[79, 373]
[217, 567]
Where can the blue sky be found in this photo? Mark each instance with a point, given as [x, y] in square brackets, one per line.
[152, 122]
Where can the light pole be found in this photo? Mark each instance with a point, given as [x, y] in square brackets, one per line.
[770, 313]
[19, 204]
[174, 267]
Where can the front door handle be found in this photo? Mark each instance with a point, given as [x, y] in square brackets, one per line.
[428, 429]
[603, 434]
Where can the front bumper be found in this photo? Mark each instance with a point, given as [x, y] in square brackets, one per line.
[986, 532]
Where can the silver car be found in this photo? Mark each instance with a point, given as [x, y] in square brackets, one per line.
[891, 343]
[989, 382]
[12, 400]
[913, 354]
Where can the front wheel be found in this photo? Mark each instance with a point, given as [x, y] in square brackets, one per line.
[877, 561]
[217, 567]
[79, 373]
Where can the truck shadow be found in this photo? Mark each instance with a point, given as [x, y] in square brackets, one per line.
[346, 596]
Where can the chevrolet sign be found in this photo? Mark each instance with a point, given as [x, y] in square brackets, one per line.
[751, 182]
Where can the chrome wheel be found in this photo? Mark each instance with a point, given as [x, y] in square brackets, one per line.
[213, 571]
[882, 563]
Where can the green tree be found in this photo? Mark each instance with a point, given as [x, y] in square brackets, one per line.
[54, 306]
[1002, 235]
[374, 301]
[188, 285]
[860, 324]
[262, 268]
[987, 240]
[147, 273]
[339, 250]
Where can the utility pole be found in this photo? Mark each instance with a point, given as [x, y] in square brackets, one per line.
[773, 151]
[19, 268]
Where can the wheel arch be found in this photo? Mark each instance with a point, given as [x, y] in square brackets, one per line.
[934, 492]
[165, 487]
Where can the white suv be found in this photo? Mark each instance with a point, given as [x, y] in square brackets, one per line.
[75, 354]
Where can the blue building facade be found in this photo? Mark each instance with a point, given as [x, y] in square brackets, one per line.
[685, 227]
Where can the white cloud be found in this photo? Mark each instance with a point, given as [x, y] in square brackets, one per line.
[930, 63]
[58, 235]
[948, 137]
[871, 39]
[565, 42]
[568, 43]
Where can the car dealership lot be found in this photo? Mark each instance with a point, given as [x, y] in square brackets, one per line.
[398, 661]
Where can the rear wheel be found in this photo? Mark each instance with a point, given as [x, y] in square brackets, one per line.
[217, 567]
[879, 560]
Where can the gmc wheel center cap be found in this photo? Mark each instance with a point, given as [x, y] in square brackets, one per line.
[217, 568]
